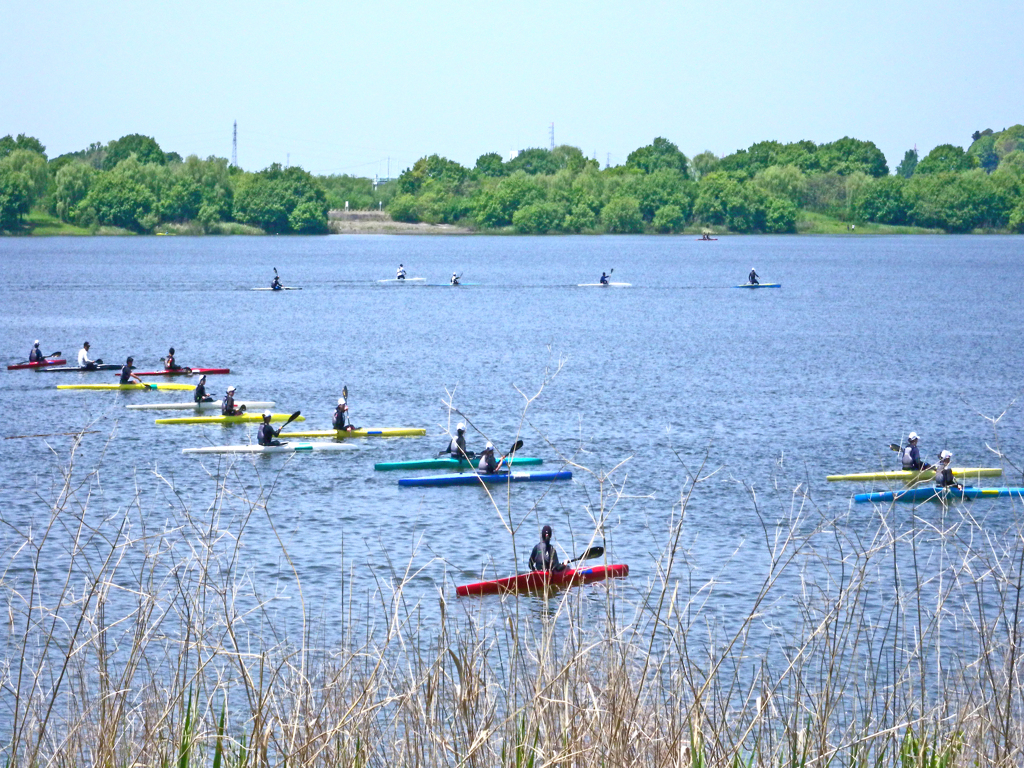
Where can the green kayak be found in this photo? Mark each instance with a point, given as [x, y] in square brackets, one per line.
[447, 464]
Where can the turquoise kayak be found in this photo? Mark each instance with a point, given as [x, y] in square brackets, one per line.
[447, 463]
[930, 493]
[474, 478]
[760, 285]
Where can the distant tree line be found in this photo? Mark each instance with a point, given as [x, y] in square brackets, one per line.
[133, 184]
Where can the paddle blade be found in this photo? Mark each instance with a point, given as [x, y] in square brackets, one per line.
[54, 354]
[515, 447]
[344, 392]
[894, 447]
[591, 553]
[291, 418]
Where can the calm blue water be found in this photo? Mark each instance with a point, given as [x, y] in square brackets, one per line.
[869, 338]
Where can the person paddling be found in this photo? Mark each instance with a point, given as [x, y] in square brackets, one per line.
[400, 275]
[943, 474]
[169, 363]
[910, 456]
[488, 464]
[227, 406]
[752, 277]
[457, 445]
[126, 372]
[83, 359]
[340, 420]
[544, 557]
[276, 285]
[455, 279]
[267, 434]
[604, 278]
[200, 395]
[36, 355]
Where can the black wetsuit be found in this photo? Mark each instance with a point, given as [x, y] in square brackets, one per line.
[457, 448]
[200, 396]
[944, 478]
[545, 558]
[126, 373]
[488, 464]
[36, 355]
[340, 418]
[267, 434]
[227, 406]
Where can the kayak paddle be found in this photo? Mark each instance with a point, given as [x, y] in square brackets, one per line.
[291, 418]
[590, 554]
[894, 447]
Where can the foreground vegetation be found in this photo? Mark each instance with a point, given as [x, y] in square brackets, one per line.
[173, 646]
[133, 185]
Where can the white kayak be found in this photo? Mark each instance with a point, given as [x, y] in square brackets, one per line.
[213, 405]
[282, 288]
[406, 280]
[603, 285]
[283, 448]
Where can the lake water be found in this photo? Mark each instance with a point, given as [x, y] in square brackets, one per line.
[868, 339]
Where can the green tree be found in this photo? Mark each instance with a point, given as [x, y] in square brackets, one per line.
[118, 201]
[786, 181]
[715, 192]
[883, 200]
[908, 165]
[403, 208]
[779, 215]
[434, 168]
[538, 218]
[33, 165]
[582, 217]
[534, 161]
[946, 158]
[182, 201]
[661, 154]
[490, 165]
[9, 144]
[848, 155]
[72, 186]
[703, 164]
[669, 218]
[15, 195]
[955, 202]
[1016, 219]
[309, 217]
[1013, 162]
[983, 150]
[496, 204]
[621, 215]
[144, 148]
[267, 199]
[666, 186]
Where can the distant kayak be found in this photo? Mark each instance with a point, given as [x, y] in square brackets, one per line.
[604, 285]
[213, 405]
[282, 288]
[474, 478]
[81, 369]
[182, 372]
[129, 387]
[43, 364]
[913, 477]
[448, 463]
[460, 284]
[245, 418]
[406, 280]
[760, 285]
[362, 432]
[939, 494]
[542, 580]
[283, 448]
[705, 239]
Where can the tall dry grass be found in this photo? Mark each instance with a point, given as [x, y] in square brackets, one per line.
[162, 645]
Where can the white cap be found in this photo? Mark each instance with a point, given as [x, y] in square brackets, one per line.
[489, 447]
[460, 427]
[912, 436]
[267, 414]
[37, 342]
[945, 455]
[231, 389]
[341, 401]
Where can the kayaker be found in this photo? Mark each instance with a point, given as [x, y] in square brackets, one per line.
[36, 355]
[199, 395]
[267, 434]
[457, 445]
[910, 456]
[400, 275]
[169, 363]
[227, 406]
[943, 474]
[752, 277]
[488, 464]
[276, 285]
[126, 372]
[340, 420]
[455, 279]
[604, 278]
[544, 557]
[83, 359]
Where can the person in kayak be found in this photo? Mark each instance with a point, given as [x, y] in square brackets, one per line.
[455, 279]
[943, 474]
[488, 464]
[126, 372]
[169, 363]
[276, 285]
[752, 277]
[544, 557]
[200, 395]
[267, 434]
[227, 406]
[83, 359]
[36, 355]
[340, 420]
[604, 278]
[910, 456]
[457, 445]
[400, 275]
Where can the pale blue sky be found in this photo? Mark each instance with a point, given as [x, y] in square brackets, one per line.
[343, 86]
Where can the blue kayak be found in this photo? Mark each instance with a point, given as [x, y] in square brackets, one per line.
[760, 285]
[930, 493]
[497, 477]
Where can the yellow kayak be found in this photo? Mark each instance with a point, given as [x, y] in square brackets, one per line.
[910, 476]
[130, 387]
[364, 432]
[245, 418]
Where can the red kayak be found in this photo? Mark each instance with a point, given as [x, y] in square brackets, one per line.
[541, 580]
[48, 361]
[181, 372]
